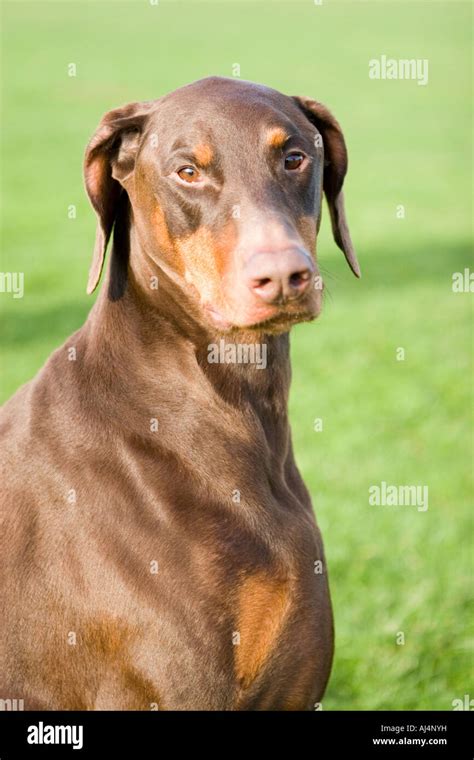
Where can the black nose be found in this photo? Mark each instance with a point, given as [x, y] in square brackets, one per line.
[279, 276]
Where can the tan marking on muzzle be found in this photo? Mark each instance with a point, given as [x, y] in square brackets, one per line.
[204, 255]
[166, 244]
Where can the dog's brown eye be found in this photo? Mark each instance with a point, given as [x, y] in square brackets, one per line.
[293, 160]
[188, 173]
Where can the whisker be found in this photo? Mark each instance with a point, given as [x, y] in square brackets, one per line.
[327, 273]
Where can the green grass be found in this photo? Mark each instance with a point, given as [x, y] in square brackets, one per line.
[405, 422]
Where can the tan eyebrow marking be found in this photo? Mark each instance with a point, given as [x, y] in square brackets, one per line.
[203, 154]
[276, 137]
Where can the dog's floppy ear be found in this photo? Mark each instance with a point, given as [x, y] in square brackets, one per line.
[335, 168]
[109, 160]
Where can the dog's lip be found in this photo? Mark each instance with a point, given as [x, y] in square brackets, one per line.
[218, 318]
[269, 317]
[284, 320]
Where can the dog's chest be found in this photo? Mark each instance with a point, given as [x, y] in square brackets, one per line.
[219, 613]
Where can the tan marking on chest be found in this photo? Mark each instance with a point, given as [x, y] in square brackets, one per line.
[263, 606]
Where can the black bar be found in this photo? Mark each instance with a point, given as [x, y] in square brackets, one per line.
[156, 734]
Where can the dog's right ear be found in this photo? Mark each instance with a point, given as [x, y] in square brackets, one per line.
[109, 161]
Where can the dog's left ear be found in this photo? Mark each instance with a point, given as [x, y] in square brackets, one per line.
[335, 168]
[109, 161]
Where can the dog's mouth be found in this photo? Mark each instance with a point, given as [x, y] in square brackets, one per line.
[270, 320]
[217, 318]
[283, 322]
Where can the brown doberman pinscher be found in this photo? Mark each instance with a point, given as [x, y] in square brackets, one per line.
[159, 545]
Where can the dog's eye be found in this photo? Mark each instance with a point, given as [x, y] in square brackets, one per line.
[293, 160]
[188, 174]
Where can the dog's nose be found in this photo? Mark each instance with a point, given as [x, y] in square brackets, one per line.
[279, 276]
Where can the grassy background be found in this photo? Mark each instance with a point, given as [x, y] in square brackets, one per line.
[405, 422]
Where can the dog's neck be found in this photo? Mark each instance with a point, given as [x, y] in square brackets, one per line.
[151, 359]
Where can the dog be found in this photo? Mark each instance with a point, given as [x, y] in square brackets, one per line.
[160, 549]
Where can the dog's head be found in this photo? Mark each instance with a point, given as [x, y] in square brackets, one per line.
[220, 184]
